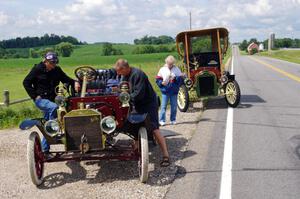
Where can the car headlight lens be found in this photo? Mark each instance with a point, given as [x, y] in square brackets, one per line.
[124, 98]
[52, 128]
[188, 83]
[108, 124]
[124, 86]
[224, 79]
[60, 100]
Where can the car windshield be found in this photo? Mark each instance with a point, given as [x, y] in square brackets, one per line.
[202, 44]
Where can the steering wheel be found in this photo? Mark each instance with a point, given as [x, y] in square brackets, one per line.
[87, 71]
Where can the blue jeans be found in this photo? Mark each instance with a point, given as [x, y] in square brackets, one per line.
[49, 109]
[164, 103]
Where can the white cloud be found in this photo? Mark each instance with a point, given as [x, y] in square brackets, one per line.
[125, 20]
[289, 28]
[259, 8]
[175, 11]
[3, 19]
[83, 7]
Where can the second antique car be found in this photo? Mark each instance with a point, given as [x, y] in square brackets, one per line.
[202, 52]
[87, 124]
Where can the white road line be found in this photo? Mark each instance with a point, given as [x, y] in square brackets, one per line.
[226, 180]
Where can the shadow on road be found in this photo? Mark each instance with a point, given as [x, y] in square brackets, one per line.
[247, 101]
[58, 179]
[252, 99]
[110, 171]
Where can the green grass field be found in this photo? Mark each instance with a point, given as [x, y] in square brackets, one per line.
[13, 71]
[242, 52]
[287, 55]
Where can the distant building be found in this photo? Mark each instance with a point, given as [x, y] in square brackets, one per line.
[261, 47]
[253, 48]
[271, 41]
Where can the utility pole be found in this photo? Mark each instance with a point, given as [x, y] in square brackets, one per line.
[190, 20]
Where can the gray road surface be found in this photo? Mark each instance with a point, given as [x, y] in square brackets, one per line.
[266, 137]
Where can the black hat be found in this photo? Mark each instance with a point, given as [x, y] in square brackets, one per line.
[52, 57]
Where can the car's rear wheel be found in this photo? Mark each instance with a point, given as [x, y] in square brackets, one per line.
[35, 158]
[232, 93]
[183, 99]
[144, 154]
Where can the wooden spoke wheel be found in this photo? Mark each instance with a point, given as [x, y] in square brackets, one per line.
[35, 158]
[232, 93]
[183, 99]
[144, 155]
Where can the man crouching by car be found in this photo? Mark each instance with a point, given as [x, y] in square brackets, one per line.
[144, 99]
[40, 85]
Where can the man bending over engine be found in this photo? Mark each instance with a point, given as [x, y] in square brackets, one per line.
[144, 99]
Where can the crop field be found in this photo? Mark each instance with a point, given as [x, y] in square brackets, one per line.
[13, 71]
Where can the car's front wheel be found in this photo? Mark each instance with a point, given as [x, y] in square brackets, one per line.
[183, 99]
[35, 158]
[144, 154]
[232, 93]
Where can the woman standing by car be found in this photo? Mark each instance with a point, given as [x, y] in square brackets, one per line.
[169, 79]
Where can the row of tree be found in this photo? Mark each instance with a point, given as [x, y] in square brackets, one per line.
[46, 40]
[63, 49]
[163, 39]
[278, 43]
[147, 49]
[108, 50]
[12, 53]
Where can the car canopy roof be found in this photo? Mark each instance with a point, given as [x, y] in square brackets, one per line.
[197, 33]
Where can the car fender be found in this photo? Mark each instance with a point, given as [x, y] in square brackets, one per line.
[135, 118]
[29, 123]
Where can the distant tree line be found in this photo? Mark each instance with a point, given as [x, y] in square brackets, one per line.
[163, 39]
[108, 50]
[278, 43]
[46, 40]
[147, 49]
[12, 53]
[63, 49]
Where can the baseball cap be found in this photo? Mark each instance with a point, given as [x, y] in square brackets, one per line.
[52, 57]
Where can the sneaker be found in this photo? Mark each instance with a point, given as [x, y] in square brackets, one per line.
[173, 122]
[161, 123]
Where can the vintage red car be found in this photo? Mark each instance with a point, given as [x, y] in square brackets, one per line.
[202, 52]
[87, 124]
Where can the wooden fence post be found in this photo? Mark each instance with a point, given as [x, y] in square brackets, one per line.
[6, 98]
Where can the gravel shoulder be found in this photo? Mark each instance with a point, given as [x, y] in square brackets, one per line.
[94, 179]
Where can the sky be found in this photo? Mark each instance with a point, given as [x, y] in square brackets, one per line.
[122, 21]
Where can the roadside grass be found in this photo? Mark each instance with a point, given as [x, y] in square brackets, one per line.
[13, 71]
[11, 117]
[242, 52]
[228, 54]
[287, 55]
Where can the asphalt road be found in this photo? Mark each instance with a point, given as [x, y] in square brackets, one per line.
[265, 157]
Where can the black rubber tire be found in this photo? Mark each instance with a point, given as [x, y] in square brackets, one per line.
[183, 104]
[233, 102]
